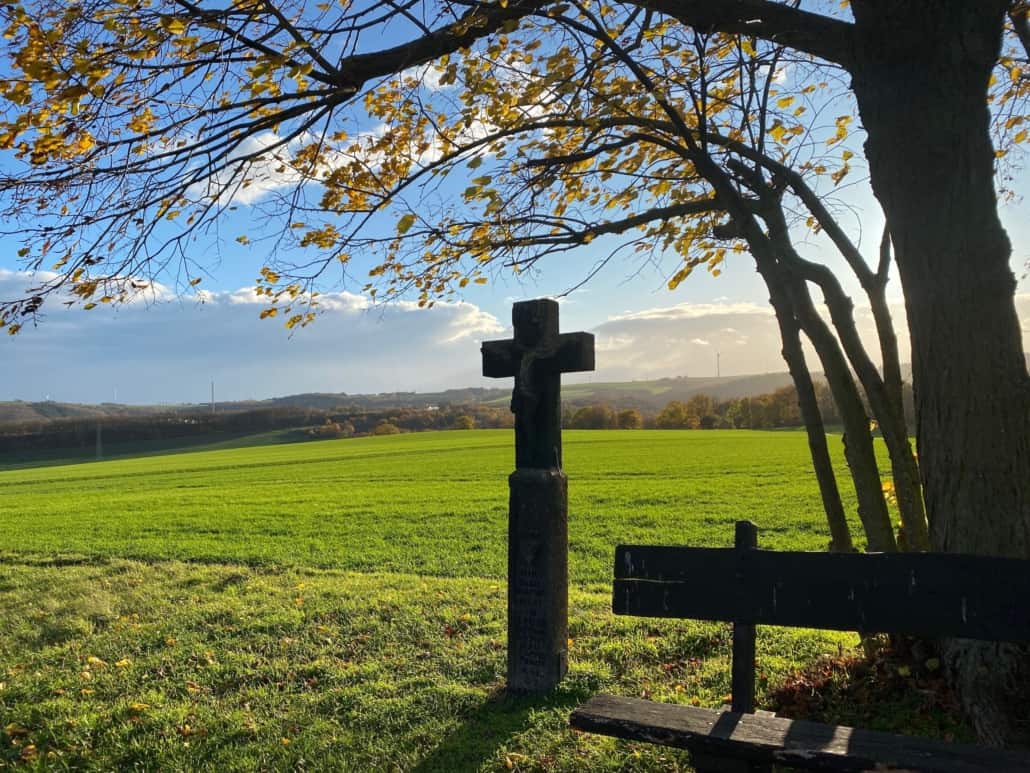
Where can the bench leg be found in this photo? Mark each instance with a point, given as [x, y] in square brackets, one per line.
[704, 763]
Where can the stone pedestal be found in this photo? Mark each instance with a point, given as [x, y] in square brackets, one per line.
[538, 580]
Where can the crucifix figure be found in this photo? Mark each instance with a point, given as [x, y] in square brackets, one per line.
[538, 503]
[537, 357]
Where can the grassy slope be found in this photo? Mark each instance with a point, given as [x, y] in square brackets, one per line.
[428, 503]
[86, 454]
[343, 606]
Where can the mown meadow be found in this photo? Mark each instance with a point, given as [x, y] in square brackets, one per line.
[340, 604]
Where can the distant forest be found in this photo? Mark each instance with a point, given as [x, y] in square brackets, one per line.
[775, 409]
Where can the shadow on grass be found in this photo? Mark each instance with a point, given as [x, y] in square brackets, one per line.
[489, 727]
[43, 561]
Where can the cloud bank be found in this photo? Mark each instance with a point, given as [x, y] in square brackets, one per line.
[170, 350]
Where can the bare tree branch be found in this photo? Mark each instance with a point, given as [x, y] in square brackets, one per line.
[821, 36]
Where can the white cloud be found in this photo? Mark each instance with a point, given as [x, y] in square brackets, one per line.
[684, 340]
[266, 156]
[171, 351]
[428, 76]
[14, 284]
[693, 311]
[268, 171]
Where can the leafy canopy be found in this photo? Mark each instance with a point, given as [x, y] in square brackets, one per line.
[490, 134]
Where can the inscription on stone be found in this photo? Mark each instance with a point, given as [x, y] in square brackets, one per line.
[538, 503]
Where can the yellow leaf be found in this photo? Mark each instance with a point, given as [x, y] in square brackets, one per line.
[173, 25]
[481, 280]
[679, 276]
[777, 131]
[784, 102]
[842, 130]
[405, 223]
[123, 663]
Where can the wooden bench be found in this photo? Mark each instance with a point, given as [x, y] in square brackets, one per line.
[924, 594]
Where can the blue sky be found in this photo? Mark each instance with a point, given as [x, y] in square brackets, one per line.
[168, 347]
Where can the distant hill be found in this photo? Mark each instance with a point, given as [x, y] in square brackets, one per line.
[648, 396]
[652, 396]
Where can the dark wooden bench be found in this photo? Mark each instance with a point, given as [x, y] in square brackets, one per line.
[924, 594]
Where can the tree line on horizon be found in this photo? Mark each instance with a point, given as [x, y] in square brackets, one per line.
[772, 410]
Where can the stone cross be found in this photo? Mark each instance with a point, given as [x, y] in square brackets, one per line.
[537, 357]
[538, 543]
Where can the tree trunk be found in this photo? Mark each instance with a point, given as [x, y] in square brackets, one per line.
[858, 438]
[921, 82]
[892, 421]
[887, 410]
[794, 356]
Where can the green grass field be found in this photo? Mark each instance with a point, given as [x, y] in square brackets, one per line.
[340, 604]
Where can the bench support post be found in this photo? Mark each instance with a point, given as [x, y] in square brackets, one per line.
[743, 676]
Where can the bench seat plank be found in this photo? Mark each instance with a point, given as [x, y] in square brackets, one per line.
[797, 743]
[924, 594]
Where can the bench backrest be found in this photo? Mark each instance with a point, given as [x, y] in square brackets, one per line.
[924, 594]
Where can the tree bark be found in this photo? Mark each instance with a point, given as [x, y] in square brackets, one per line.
[920, 75]
[858, 439]
[788, 292]
[794, 356]
[891, 418]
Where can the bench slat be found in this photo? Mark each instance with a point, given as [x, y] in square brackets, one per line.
[924, 594]
[802, 744]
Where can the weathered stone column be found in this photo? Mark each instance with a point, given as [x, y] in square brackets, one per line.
[538, 534]
[538, 579]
